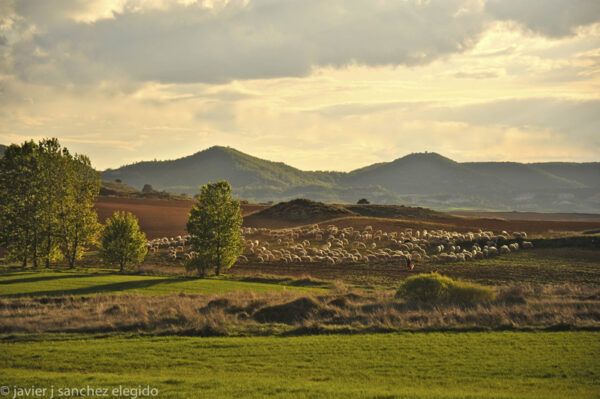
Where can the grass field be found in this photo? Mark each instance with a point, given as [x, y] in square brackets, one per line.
[32, 283]
[426, 365]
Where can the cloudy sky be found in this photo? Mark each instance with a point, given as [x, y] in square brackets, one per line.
[319, 84]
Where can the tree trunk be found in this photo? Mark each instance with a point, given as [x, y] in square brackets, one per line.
[48, 249]
[73, 254]
[35, 254]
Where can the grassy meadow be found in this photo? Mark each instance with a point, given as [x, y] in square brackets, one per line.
[293, 337]
[85, 282]
[425, 365]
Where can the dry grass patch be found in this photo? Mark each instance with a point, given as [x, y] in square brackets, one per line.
[516, 307]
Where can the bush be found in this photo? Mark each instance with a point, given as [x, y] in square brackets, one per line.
[434, 288]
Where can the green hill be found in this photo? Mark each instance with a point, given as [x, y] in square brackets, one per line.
[522, 176]
[425, 179]
[244, 172]
[586, 174]
[425, 173]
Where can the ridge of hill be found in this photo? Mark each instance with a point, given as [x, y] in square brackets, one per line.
[301, 209]
[421, 179]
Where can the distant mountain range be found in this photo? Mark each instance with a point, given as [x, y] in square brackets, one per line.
[423, 179]
[2, 149]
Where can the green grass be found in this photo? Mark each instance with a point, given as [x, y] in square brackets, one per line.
[437, 289]
[426, 365]
[86, 283]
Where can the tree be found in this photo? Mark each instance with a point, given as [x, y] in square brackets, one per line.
[363, 201]
[148, 189]
[46, 202]
[54, 161]
[78, 219]
[123, 243]
[19, 202]
[215, 228]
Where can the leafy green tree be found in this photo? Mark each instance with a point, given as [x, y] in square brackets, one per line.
[46, 203]
[19, 202]
[54, 161]
[77, 217]
[215, 228]
[123, 243]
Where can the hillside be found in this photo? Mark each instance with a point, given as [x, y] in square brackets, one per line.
[396, 211]
[425, 179]
[427, 173]
[586, 174]
[2, 149]
[522, 176]
[122, 190]
[299, 210]
[249, 175]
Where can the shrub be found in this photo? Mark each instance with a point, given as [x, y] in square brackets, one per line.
[515, 294]
[434, 288]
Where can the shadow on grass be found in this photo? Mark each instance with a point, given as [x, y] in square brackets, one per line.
[304, 281]
[41, 278]
[102, 288]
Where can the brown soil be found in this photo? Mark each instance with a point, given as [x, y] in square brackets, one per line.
[160, 218]
[564, 217]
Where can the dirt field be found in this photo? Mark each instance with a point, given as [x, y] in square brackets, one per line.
[469, 224]
[167, 218]
[565, 217]
[560, 266]
[158, 218]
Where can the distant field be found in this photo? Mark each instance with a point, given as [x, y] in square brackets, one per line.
[566, 217]
[86, 283]
[544, 266]
[160, 218]
[426, 365]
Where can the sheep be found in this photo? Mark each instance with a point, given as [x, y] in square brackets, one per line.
[504, 250]
[348, 245]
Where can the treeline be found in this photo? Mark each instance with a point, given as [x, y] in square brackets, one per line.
[47, 214]
[47, 203]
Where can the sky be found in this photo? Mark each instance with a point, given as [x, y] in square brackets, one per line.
[318, 84]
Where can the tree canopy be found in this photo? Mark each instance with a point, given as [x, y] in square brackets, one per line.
[215, 228]
[46, 203]
[123, 243]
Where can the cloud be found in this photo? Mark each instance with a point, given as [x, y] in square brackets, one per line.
[336, 84]
[554, 18]
[186, 43]
[549, 123]
[578, 119]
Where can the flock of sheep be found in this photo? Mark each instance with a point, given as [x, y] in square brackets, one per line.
[334, 245]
